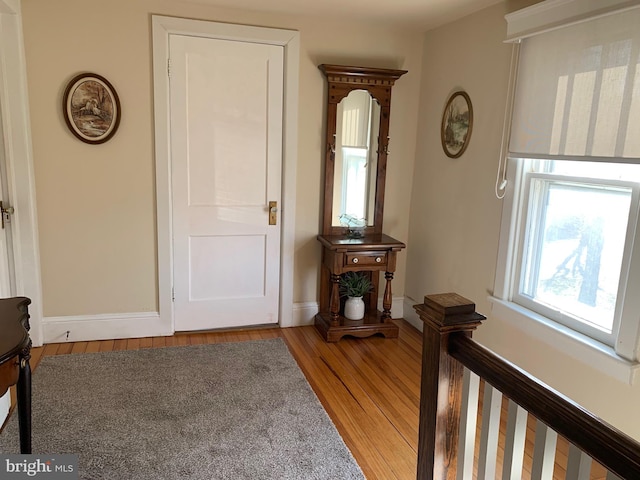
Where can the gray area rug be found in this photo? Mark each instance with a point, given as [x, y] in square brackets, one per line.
[221, 411]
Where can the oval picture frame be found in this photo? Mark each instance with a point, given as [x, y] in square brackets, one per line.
[457, 124]
[91, 108]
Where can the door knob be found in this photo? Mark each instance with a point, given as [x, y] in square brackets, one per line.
[273, 213]
[5, 214]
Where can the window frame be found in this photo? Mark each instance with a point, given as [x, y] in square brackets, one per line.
[518, 295]
[620, 359]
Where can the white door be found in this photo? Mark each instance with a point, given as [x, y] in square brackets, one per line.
[7, 278]
[7, 272]
[226, 160]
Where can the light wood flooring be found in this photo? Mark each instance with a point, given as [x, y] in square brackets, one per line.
[369, 387]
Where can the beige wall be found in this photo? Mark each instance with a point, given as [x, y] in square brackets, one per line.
[96, 204]
[455, 216]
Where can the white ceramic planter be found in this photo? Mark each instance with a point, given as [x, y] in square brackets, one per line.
[354, 308]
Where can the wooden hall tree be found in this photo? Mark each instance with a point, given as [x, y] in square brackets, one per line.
[357, 147]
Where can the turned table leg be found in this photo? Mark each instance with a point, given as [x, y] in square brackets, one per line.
[386, 300]
[334, 302]
[24, 401]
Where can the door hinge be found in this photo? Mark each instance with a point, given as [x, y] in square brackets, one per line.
[173, 294]
[169, 67]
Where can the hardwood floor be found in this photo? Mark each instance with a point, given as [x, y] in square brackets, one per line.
[369, 387]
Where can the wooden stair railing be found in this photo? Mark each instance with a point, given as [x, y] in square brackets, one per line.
[448, 350]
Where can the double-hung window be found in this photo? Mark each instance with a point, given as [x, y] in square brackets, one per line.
[574, 199]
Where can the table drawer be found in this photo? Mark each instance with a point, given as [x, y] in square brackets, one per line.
[366, 258]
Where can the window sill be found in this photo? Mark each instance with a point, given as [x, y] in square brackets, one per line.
[587, 350]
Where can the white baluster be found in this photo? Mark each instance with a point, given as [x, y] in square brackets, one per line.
[514, 442]
[544, 452]
[578, 464]
[491, 409]
[468, 423]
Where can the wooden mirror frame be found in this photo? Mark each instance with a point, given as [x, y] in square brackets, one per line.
[341, 81]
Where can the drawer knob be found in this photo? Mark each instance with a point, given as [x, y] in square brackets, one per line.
[355, 260]
[378, 259]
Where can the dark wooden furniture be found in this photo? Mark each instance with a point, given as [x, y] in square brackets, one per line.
[373, 251]
[341, 81]
[448, 347]
[15, 352]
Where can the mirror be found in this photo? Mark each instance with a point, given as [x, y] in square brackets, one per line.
[356, 157]
[358, 105]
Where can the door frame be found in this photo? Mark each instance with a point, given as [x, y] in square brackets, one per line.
[162, 28]
[19, 159]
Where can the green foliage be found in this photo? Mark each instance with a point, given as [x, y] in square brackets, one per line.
[355, 284]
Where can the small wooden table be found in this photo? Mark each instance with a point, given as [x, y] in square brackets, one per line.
[15, 352]
[373, 253]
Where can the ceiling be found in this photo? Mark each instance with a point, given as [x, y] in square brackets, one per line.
[418, 14]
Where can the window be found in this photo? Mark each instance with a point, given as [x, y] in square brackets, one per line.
[572, 261]
[572, 250]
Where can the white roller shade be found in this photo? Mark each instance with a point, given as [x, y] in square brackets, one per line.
[551, 14]
[578, 91]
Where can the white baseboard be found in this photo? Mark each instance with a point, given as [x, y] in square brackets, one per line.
[103, 327]
[410, 314]
[303, 314]
[84, 328]
[397, 307]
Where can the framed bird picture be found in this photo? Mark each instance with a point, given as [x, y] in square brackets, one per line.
[457, 122]
[91, 108]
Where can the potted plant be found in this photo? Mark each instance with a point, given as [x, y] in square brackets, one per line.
[354, 285]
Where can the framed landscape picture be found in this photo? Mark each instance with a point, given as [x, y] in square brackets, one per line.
[91, 108]
[457, 122]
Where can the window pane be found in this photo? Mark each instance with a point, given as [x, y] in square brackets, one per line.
[574, 254]
[612, 171]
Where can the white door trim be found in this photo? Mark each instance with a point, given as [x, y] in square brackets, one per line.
[19, 157]
[290, 40]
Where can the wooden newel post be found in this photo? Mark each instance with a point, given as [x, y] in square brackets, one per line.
[443, 315]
